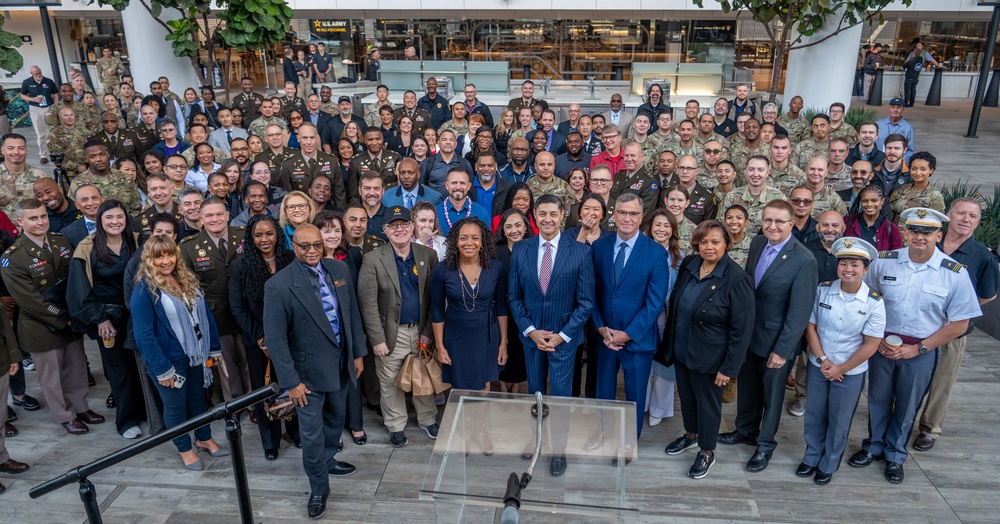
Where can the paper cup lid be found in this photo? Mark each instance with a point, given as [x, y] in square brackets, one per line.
[893, 340]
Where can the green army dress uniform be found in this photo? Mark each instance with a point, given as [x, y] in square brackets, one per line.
[370, 243]
[296, 173]
[144, 220]
[202, 255]
[32, 276]
[641, 184]
[249, 105]
[124, 144]
[384, 164]
[296, 103]
[274, 160]
[421, 118]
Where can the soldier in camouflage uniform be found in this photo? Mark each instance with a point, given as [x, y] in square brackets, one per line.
[198, 134]
[68, 139]
[735, 220]
[725, 178]
[458, 124]
[372, 118]
[752, 145]
[784, 173]
[794, 122]
[824, 197]
[664, 135]
[167, 93]
[267, 118]
[545, 181]
[839, 128]
[816, 145]
[112, 183]
[326, 102]
[248, 102]
[687, 145]
[109, 71]
[17, 178]
[755, 195]
[88, 114]
[711, 154]
[839, 176]
[706, 131]
[920, 193]
[65, 100]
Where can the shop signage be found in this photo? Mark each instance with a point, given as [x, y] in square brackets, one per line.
[330, 27]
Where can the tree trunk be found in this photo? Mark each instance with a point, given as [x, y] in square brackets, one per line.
[780, 49]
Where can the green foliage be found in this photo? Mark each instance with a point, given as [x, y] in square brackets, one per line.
[858, 115]
[988, 231]
[10, 58]
[807, 16]
[252, 24]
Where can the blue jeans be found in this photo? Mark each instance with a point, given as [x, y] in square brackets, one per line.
[187, 402]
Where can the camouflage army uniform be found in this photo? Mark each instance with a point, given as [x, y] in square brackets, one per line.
[15, 187]
[459, 130]
[840, 180]
[556, 186]
[664, 141]
[116, 184]
[218, 155]
[740, 251]
[787, 178]
[69, 141]
[329, 107]
[372, 116]
[906, 197]
[808, 149]
[740, 153]
[845, 131]
[720, 197]
[52, 116]
[753, 204]
[714, 136]
[798, 129]
[685, 230]
[90, 118]
[693, 150]
[249, 105]
[258, 126]
[109, 71]
[827, 199]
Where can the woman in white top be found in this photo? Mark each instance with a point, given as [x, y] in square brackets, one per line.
[426, 230]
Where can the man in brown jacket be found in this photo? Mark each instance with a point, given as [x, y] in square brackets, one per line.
[394, 295]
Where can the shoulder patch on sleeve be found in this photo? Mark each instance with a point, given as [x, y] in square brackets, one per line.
[828, 283]
[875, 295]
[187, 239]
[888, 254]
[952, 265]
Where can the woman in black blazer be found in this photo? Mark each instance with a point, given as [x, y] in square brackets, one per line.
[709, 323]
[265, 252]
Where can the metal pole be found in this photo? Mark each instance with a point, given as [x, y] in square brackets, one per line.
[50, 43]
[89, 496]
[234, 433]
[984, 71]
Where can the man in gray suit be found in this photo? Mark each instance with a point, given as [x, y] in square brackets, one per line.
[227, 132]
[395, 297]
[785, 280]
[617, 114]
[315, 339]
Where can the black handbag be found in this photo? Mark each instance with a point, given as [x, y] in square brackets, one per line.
[280, 407]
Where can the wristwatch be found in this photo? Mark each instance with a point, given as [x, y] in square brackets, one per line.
[821, 359]
[921, 348]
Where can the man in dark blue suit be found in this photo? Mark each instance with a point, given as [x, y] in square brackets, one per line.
[631, 273]
[785, 281]
[315, 339]
[550, 293]
[557, 140]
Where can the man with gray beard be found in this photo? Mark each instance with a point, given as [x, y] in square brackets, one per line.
[489, 190]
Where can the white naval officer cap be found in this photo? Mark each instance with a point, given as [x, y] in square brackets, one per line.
[923, 220]
[848, 247]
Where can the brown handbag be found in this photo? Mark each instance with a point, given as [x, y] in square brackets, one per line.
[280, 407]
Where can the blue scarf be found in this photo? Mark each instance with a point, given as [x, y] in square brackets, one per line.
[195, 347]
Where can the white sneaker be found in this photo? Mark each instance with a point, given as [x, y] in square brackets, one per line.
[654, 421]
[132, 433]
[798, 408]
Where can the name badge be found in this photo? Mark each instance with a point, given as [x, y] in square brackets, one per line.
[202, 264]
[888, 278]
[340, 282]
[825, 306]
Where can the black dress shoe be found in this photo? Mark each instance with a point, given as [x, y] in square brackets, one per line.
[894, 472]
[558, 466]
[360, 440]
[297, 443]
[28, 402]
[758, 462]
[342, 469]
[271, 454]
[340, 446]
[822, 478]
[316, 506]
[863, 459]
[805, 471]
[91, 381]
[734, 437]
[110, 403]
[11, 415]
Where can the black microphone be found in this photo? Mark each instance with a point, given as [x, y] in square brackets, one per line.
[512, 501]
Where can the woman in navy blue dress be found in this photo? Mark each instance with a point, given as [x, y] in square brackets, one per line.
[468, 307]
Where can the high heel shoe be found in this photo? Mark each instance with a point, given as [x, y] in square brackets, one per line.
[221, 452]
[194, 466]
[360, 440]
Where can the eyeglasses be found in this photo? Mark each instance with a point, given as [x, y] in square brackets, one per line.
[176, 166]
[628, 214]
[296, 207]
[616, 100]
[168, 130]
[393, 226]
[774, 222]
[713, 151]
[605, 138]
[801, 201]
[318, 246]
[600, 180]
[239, 149]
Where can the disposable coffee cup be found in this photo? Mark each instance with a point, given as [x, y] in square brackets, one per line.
[893, 341]
[109, 342]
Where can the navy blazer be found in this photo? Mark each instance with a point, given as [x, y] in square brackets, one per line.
[567, 305]
[718, 341]
[634, 303]
[784, 298]
[558, 145]
[155, 338]
[394, 196]
[298, 335]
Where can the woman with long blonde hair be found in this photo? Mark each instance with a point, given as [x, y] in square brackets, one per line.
[503, 130]
[176, 336]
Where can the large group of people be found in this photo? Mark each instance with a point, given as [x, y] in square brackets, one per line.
[727, 255]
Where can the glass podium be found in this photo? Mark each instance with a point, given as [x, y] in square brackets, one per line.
[485, 437]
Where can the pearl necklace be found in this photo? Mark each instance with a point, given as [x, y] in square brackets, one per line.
[468, 213]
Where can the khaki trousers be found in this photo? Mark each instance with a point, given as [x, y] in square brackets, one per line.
[936, 405]
[394, 399]
[41, 128]
[62, 376]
